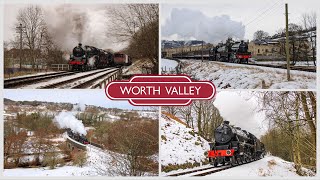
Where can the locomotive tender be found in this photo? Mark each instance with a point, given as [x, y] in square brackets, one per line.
[234, 146]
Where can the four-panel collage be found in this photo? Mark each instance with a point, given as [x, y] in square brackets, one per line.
[60, 58]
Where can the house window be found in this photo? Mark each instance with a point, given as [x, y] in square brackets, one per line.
[258, 50]
[267, 51]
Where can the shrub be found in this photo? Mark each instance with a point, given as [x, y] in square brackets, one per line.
[163, 137]
[79, 158]
[51, 160]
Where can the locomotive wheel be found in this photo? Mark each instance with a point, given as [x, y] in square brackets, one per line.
[223, 163]
[214, 162]
[239, 161]
[243, 159]
[233, 161]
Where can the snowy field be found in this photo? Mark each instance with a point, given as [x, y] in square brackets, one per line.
[168, 65]
[239, 76]
[179, 144]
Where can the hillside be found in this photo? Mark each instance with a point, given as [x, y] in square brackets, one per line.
[181, 147]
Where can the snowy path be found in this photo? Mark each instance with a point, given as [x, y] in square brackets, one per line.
[240, 76]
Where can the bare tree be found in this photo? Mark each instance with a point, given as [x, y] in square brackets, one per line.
[137, 24]
[297, 41]
[260, 34]
[309, 23]
[291, 117]
[34, 30]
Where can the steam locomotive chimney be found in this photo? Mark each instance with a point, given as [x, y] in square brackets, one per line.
[226, 122]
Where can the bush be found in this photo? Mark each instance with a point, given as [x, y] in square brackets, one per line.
[163, 137]
[51, 160]
[188, 165]
[79, 158]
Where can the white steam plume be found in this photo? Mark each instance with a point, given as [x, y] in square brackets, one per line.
[67, 119]
[186, 24]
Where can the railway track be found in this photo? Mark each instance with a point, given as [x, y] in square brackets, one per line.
[297, 68]
[191, 171]
[90, 82]
[21, 81]
[67, 83]
[207, 170]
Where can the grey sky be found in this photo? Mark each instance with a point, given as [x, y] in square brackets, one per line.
[96, 26]
[267, 15]
[241, 109]
[89, 97]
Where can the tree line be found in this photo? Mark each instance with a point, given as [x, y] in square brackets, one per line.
[291, 117]
[202, 116]
[302, 39]
[134, 24]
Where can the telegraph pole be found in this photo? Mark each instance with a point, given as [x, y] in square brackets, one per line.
[202, 51]
[287, 44]
[20, 30]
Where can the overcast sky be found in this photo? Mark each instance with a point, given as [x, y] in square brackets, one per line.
[241, 109]
[89, 97]
[267, 15]
[59, 20]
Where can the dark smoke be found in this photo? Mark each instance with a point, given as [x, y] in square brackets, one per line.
[70, 24]
[78, 22]
[186, 24]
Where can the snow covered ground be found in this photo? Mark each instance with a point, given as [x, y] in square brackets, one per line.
[240, 76]
[36, 74]
[149, 114]
[136, 67]
[179, 144]
[99, 163]
[268, 166]
[299, 63]
[168, 65]
[64, 78]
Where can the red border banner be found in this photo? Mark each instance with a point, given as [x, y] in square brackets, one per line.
[160, 90]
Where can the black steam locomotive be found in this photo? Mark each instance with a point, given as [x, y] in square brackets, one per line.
[235, 52]
[77, 137]
[231, 51]
[89, 57]
[234, 146]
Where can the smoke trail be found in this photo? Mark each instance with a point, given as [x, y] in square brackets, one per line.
[67, 119]
[188, 24]
[70, 24]
[79, 21]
